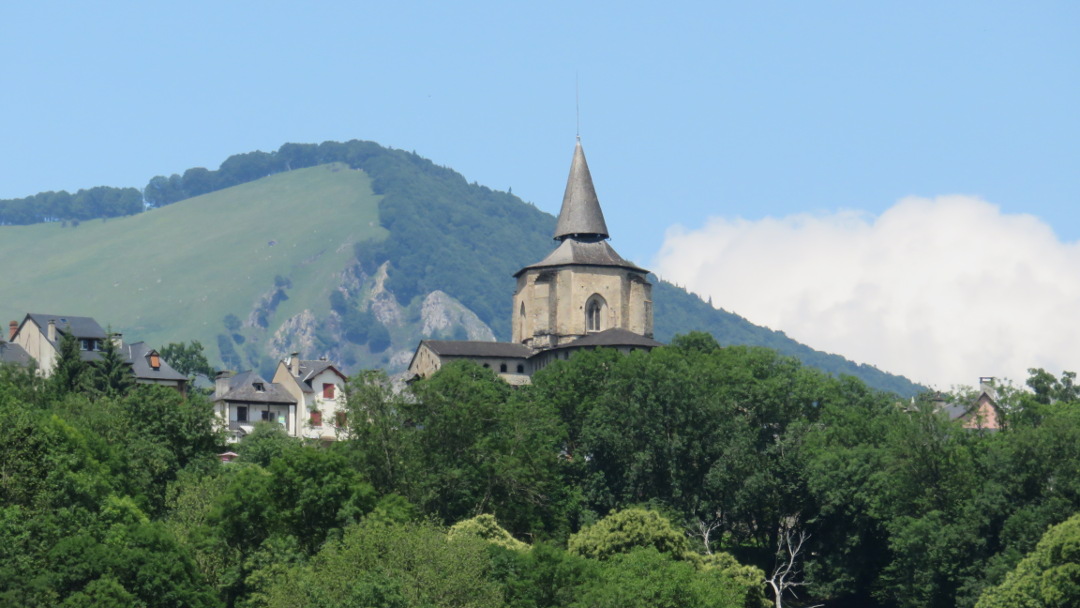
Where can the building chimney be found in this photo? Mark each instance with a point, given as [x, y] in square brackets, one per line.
[986, 385]
[13, 328]
[221, 383]
[52, 330]
[294, 364]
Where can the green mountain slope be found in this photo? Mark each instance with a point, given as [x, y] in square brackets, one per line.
[174, 273]
[346, 250]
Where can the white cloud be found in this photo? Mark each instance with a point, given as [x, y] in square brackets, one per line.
[941, 290]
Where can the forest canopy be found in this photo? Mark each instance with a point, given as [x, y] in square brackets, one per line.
[688, 476]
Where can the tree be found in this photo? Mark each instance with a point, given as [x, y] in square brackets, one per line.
[1047, 577]
[110, 375]
[789, 550]
[376, 426]
[187, 358]
[69, 372]
[380, 564]
[474, 449]
[623, 531]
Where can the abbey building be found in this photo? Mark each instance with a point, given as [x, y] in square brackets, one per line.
[582, 295]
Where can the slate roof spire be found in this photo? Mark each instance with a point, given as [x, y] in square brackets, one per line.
[580, 216]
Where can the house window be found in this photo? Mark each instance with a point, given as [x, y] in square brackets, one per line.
[340, 419]
[268, 416]
[487, 365]
[241, 413]
[521, 368]
[502, 368]
[327, 390]
[155, 361]
[316, 418]
[594, 313]
[259, 387]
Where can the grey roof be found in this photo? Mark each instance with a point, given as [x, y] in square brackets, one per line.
[613, 337]
[13, 353]
[242, 388]
[474, 348]
[309, 369]
[80, 327]
[580, 214]
[587, 253]
[138, 355]
[955, 411]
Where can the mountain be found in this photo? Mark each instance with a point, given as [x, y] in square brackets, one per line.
[346, 250]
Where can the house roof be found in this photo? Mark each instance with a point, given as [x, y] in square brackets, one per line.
[80, 327]
[475, 348]
[612, 337]
[311, 368]
[585, 253]
[13, 353]
[241, 387]
[580, 214]
[138, 355]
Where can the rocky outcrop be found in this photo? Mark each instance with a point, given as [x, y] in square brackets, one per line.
[296, 334]
[384, 305]
[441, 315]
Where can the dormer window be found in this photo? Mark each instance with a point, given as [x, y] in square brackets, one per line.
[155, 361]
[89, 344]
[259, 387]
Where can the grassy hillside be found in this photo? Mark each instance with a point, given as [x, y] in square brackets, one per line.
[174, 273]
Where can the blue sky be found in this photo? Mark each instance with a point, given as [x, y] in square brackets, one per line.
[690, 112]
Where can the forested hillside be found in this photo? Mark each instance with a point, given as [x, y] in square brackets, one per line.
[692, 476]
[358, 261]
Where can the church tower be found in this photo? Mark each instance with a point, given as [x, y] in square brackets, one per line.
[583, 287]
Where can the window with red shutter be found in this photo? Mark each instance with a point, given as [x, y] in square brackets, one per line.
[316, 418]
[328, 391]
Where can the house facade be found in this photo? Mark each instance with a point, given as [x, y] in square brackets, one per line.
[319, 390]
[306, 398]
[582, 295]
[242, 400]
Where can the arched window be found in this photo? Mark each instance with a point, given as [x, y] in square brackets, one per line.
[521, 368]
[502, 367]
[594, 313]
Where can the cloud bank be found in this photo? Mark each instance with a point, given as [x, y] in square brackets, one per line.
[941, 290]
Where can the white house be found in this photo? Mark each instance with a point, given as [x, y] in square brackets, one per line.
[319, 390]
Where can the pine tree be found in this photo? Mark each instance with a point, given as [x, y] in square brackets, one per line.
[111, 375]
[70, 370]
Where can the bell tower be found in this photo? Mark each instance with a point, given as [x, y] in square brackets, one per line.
[583, 287]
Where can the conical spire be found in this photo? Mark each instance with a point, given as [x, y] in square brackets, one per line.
[580, 214]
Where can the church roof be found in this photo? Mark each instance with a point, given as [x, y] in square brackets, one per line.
[580, 214]
[588, 253]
